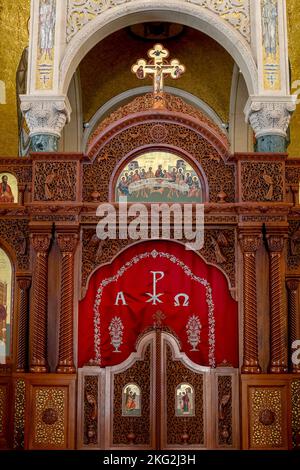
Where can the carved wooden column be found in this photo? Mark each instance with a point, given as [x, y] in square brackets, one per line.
[38, 324]
[67, 243]
[278, 354]
[294, 323]
[22, 337]
[250, 244]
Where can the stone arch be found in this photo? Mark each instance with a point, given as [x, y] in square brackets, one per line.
[185, 13]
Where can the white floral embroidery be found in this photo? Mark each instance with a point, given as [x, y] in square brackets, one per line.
[116, 333]
[193, 330]
[136, 259]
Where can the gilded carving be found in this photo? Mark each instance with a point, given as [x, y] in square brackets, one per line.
[262, 181]
[266, 416]
[224, 410]
[55, 181]
[90, 431]
[135, 429]
[295, 390]
[236, 13]
[19, 414]
[189, 429]
[50, 416]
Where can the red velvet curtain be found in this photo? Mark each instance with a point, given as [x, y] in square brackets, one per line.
[120, 305]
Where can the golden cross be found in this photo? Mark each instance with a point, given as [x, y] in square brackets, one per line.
[158, 68]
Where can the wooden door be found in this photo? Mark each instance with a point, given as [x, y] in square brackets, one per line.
[154, 375]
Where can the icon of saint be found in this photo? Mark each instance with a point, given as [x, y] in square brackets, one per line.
[6, 194]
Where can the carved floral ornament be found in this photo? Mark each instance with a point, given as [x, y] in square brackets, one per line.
[234, 12]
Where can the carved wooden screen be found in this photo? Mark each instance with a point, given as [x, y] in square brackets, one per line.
[158, 399]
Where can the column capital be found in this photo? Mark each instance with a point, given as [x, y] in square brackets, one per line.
[24, 282]
[276, 243]
[250, 242]
[269, 117]
[46, 116]
[292, 284]
[270, 114]
[40, 242]
[67, 242]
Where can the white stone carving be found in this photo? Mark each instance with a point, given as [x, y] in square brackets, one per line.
[193, 15]
[45, 114]
[270, 115]
[193, 331]
[235, 12]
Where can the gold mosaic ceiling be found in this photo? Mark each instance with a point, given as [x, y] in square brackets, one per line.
[14, 16]
[105, 71]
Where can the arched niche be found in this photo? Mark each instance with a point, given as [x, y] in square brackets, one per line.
[159, 174]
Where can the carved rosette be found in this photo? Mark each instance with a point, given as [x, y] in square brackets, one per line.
[38, 338]
[278, 359]
[24, 285]
[67, 243]
[250, 245]
[294, 324]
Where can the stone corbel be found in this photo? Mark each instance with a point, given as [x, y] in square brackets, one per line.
[269, 118]
[46, 117]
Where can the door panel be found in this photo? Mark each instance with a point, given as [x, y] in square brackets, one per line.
[159, 399]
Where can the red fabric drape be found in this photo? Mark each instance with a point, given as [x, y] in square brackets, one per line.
[130, 277]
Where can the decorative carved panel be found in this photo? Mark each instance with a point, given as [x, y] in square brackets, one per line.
[19, 414]
[262, 181]
[292, 174]
[295, 392]
[158, 132]
[90, 432]
[49, 416]
[237, 14]
[220, 176]
[133, 430]
[218, 249]
[55, 181]
[266, 417]
[15, 234]
[224, 410]
[293, 251]
[183, 429]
